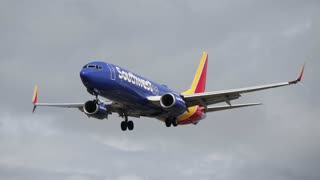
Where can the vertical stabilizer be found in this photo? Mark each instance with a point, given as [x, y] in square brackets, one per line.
[199, 80]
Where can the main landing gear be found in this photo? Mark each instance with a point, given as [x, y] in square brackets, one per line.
[126, 124]
[172, 122]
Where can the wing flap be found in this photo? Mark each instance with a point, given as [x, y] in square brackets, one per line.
[209, 99]
[227, 107]
[62, 105]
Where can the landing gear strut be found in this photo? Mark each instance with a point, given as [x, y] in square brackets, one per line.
[94, 93]
[127, 124]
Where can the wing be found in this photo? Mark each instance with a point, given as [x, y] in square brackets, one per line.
[214, 97]
[110, 105]
[62, 105]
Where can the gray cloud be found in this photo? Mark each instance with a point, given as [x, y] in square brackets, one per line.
[249, 43]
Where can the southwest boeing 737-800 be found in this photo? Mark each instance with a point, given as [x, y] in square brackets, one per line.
[131, 95]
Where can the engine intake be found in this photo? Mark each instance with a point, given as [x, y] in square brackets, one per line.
[91, 107]
[96, 110]
[173, 103]
[167, 100]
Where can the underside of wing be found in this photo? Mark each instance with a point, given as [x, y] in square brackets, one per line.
[62, 105]
[227, 107]
[215, 97]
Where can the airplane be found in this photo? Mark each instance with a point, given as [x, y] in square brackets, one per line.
[131, 95]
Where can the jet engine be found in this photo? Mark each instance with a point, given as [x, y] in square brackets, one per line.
[95, 109]
[173, 103]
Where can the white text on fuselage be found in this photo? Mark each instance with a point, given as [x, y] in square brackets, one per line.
[131, 78]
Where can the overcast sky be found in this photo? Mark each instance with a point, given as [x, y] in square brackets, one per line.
[249, 42]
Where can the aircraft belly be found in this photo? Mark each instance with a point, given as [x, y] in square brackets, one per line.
[132, 99]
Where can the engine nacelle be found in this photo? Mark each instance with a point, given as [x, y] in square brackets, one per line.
[173, 103]
[96, 110]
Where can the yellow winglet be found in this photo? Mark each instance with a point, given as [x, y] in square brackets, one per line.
[35, 94]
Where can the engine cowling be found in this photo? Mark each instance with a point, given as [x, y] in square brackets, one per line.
[173, 103]
[96, 110]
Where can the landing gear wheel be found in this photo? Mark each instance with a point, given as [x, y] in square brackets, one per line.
[168, 123]
[175, 123]
[124, 126]
[130, 125]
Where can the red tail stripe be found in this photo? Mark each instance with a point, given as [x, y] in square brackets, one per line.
[201, 86]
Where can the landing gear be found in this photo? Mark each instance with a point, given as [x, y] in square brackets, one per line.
[172, 122]
[168, 123]
[127, 124]
[94, 92]
[124, 126]
[130, 125]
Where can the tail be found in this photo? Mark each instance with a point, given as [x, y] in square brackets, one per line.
[199, 80]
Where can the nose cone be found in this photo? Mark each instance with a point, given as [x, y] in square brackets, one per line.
[85, 76]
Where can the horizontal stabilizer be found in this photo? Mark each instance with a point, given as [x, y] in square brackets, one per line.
[226, 107]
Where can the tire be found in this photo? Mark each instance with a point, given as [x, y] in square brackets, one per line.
[168, 123]
[175, 123]
[130, 125]
[124, 126]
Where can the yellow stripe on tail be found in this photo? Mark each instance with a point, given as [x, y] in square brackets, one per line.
[198, 85]
[199, 80]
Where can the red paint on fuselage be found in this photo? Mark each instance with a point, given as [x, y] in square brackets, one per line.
[197, 116]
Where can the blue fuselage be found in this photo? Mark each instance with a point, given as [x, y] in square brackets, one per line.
[124, 87]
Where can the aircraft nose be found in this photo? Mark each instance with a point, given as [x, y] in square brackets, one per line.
[84, 75]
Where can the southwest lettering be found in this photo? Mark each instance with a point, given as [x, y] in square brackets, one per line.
[131, 78]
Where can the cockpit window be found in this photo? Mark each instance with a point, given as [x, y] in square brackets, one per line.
[92, 66]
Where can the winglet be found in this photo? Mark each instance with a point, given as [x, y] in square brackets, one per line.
[35, 98]
[299, 77]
